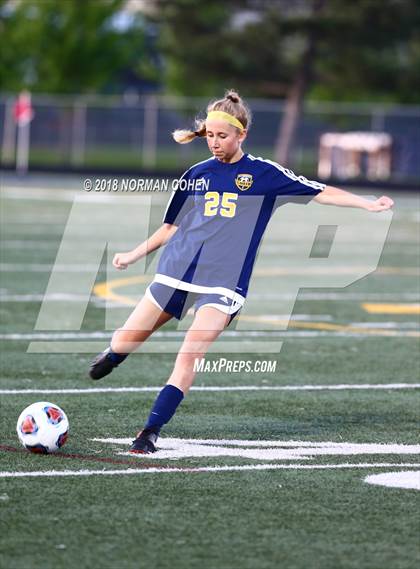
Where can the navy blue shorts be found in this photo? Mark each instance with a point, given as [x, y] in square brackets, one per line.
[177, 302]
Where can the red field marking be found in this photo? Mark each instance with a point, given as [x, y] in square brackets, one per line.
[91, 458]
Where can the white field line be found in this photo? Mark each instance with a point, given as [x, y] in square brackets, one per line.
[111, 304]
[307, 296]
[69, 195]
[46, 268]
[387, 325]
[31, 193]
[60, 194]
[173, 449]
[246, 339]
[300, 447]
[275, 249]
[56, 297]
[39, 193]
[128, 471]
[59, 297]
[410, 480]
[69, 268]
[410, 247]
[338, 387]
[43, 220]
[57, 335]
[53, 336]
[69, 297]
[39, 244]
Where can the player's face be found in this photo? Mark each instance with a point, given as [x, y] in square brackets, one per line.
[224, 140]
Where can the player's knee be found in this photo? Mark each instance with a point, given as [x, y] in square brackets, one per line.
[201, 339]
[193, 350]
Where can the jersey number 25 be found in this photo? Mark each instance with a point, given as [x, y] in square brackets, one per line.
[223, 204]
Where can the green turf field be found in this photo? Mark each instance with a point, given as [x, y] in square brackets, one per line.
[256, 470]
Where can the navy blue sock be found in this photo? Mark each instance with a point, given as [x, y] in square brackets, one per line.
[164, 407]
[116, 358]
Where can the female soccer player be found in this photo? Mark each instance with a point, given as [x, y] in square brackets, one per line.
[211, 230]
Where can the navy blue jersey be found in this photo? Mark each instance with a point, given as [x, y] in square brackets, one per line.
[221, 211]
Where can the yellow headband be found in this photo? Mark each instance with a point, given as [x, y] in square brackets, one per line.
[226, 117]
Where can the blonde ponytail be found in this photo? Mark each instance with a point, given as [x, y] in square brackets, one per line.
[183, 136]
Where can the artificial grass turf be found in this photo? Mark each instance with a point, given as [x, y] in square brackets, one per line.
[241, 520]
[325, 519]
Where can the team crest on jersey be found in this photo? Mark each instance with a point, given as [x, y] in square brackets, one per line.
[244, 181]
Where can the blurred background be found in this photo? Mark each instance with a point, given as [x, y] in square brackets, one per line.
[98, 85]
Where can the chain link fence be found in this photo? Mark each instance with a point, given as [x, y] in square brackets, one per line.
[133, 134]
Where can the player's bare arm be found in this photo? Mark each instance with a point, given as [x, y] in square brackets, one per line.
[334, 196]
[158, 239]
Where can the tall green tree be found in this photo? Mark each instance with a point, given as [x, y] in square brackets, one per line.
[322, 49]
[68, 46]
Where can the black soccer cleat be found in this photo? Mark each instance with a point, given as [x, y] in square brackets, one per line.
[103, 364]
[144, 443]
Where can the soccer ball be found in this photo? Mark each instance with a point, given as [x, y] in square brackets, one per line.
[42, 427]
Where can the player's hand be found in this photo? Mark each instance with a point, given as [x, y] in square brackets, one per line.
[122, 260]
[381, 204]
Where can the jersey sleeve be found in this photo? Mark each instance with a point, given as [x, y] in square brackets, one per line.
[180, 203]
[287, 185]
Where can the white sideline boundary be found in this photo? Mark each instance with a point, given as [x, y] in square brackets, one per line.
[210, 388]
[80, 268]
[153, 470]
[405, 330]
